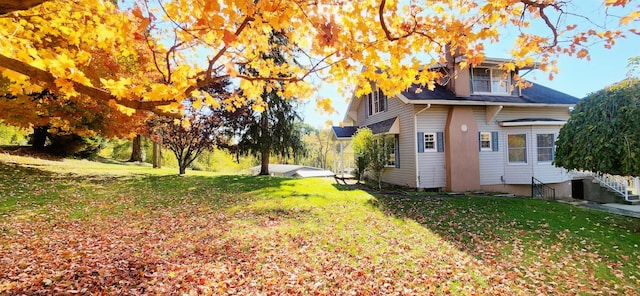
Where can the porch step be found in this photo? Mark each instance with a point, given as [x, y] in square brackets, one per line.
[633, 200]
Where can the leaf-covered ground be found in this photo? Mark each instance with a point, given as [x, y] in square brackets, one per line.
[118, 229]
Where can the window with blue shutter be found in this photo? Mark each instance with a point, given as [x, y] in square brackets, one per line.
[488, 141]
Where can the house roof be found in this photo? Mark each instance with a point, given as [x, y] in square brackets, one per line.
[536, 94]
[388, 126]
[385, 126]
[344, 132]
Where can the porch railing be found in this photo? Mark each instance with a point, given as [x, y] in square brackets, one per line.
[539, 189]
[623, 185]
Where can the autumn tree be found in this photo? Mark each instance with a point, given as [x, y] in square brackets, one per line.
[198, 42]
[187, 138]
[603, 132]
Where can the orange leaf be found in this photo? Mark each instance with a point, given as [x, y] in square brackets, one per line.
[137, 12]
[228, 37]
[583, 53]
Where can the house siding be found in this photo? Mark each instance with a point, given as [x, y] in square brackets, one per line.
[404, 175]
[431, 164]
[494, 165]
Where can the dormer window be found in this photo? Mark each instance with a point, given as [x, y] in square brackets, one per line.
[490, 81]
[377, 102]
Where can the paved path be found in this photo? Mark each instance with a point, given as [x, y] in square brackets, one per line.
[620, 209]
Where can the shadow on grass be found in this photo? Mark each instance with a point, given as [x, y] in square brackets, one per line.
[490, 227]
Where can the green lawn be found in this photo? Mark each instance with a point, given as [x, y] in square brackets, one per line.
[83, 227]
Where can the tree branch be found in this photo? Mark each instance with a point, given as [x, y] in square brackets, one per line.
[90, 91]
[7, 6]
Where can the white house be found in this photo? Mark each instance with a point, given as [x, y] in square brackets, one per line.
[478, 132]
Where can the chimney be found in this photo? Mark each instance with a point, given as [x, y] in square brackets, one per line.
[450, 67]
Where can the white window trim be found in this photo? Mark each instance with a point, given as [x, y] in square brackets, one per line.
[496, 93]
[371, 98]
[526, 151]
[435, 142]
[553, 151]
[392, 138]
[490, 148]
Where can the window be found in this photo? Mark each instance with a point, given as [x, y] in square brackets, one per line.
[489, 80]
[429, 142]
[377, 102]
[485, 141]
[546, 147]
[391, 144]
[488, 141]
[517, 145]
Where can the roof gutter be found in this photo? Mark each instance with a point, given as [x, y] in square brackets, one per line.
[476, 103]
[415, 138]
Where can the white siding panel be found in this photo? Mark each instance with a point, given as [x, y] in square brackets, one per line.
[405, 175]
[546, 172]
[495, 167]
[432, 172]
[492, 163]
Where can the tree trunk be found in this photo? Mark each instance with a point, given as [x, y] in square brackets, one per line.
[264, 165]
[39, 137]
[137, 154]
[157, 154]
[183, 168]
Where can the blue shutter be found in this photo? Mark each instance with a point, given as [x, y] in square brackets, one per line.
[440, 136]
[479, 141]
[420, 142]
[494, 141]
[396, 145]
[383, 100]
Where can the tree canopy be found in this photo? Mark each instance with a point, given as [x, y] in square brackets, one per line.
[603, 132]
[191, 44]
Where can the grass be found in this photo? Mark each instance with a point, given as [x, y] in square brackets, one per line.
[76, 226]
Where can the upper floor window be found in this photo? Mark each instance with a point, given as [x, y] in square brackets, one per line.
[546, 147]
[377, 102]
[490, 80]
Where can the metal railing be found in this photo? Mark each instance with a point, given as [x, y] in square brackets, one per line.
[539, 189]
[622, 185]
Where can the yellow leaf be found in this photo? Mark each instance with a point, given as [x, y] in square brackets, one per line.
[197, 104]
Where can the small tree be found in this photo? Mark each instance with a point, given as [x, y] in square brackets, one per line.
[603, 132]
[372, 154]
[187, 138]
[361, 142]
[379, 152]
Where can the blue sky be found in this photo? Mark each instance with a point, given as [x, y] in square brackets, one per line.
[577, 77]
